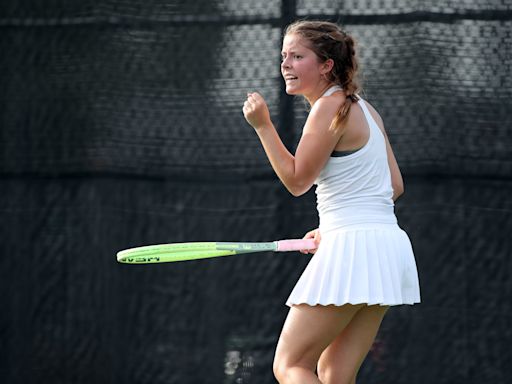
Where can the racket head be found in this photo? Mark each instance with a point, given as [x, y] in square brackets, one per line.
[166, 253]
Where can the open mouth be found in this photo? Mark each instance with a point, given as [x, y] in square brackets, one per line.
[290, 78]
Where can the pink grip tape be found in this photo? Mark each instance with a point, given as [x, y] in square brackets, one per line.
[295, 245]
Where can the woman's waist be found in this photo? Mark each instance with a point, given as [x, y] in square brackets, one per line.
[356, 214]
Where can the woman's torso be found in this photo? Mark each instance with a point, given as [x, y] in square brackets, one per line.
[355, 186]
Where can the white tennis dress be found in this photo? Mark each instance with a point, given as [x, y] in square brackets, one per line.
[364, 256]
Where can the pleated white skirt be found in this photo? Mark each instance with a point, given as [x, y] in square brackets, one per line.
[360, 263]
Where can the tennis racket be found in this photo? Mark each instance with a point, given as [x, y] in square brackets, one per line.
[167, 253]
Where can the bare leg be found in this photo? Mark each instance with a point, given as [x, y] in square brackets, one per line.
[308, 330]
[340, 361]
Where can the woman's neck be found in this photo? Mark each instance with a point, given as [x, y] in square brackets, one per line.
[322, 90]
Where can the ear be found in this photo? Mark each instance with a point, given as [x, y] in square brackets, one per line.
[327, 66]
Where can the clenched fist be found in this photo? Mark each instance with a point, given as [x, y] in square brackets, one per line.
[256, 111]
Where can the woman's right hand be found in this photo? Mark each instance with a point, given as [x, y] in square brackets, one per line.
[314, 234]
[256, 111]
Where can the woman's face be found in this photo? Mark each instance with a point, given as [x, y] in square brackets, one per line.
[300, 67]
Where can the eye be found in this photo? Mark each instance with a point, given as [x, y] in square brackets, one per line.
[298, 57]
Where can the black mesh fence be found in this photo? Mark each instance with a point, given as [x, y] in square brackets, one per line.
[121, 125]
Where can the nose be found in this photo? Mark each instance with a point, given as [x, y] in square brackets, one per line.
[285, 63]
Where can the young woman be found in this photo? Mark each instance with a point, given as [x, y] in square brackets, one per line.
[364, 262]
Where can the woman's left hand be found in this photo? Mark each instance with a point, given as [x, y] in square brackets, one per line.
[315, 235]
[256, 111]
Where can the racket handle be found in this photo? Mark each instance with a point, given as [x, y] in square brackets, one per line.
[295, 245]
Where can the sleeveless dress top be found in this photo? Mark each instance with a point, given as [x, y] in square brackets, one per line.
[356, 188]
[363, 256]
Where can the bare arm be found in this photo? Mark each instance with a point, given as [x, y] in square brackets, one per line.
[298, 172]
[397, 181]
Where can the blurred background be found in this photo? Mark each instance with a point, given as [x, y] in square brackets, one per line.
[121, 125]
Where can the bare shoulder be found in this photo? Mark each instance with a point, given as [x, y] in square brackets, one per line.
[328, 104]
[324, 110]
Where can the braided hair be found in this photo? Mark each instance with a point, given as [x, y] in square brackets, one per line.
[329, 41]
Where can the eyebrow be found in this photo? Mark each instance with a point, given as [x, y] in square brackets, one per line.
[291, 52]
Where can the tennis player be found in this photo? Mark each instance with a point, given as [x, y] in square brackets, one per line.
[364, 262]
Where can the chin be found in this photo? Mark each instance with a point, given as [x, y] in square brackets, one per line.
[292, 91]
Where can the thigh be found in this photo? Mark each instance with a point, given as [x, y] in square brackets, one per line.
[308, 330]
[341, 360]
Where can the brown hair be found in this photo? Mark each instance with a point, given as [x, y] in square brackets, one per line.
[329, 41]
